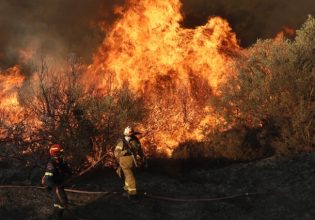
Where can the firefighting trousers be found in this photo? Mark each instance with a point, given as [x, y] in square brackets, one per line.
[127, 165]
[60, 201]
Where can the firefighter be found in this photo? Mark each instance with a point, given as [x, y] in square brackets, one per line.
[56, 171]
[126, 152]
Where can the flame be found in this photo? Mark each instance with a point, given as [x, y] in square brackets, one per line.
[10, 109]
[286, 32]
[10, 81]
[175, 69]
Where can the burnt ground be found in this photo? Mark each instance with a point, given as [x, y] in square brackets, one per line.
[287, 188]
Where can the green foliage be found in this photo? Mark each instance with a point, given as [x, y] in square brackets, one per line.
[275, 82]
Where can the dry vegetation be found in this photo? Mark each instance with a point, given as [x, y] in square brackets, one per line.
[57, 109]
[268, 104]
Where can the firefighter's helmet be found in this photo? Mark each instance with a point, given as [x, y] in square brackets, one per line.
[55, 150]
[128, 131]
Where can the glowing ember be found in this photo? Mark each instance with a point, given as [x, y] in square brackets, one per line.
[175, 69]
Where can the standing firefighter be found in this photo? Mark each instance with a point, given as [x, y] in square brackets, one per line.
[56, 171]
[126, 152]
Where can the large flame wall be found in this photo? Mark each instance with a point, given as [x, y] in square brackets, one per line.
[175, 69]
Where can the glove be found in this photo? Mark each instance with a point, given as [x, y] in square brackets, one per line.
[124, 152]
[119, 172]
[43, 181]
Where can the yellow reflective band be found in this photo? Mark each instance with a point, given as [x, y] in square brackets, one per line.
[132, 189]
[49, 174]
[58, 206]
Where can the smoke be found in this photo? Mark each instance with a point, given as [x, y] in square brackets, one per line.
[51, 27]
[60, 27]
[250, 19]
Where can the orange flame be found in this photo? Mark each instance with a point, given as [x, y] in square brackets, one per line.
[176, 69]
[10, 81]
[284, 33]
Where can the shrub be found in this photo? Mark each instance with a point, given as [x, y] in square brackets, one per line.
[274, 84]
[58, 109]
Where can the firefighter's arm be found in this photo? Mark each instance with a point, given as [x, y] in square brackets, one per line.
[47, 179]
[142, 156]
[118, 152]
[139, 148]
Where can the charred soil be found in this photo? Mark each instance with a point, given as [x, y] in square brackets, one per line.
[277, 189]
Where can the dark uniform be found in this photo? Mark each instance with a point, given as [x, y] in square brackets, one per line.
[56, 171]
[126, 152]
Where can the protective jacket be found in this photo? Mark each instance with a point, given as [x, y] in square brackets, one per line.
[128, 147]
[56, 171]
[126, 152]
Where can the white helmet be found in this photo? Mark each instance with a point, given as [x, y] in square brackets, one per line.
[128, 131]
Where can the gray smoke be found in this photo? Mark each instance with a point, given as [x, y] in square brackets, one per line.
[51, 27]
[250, 19]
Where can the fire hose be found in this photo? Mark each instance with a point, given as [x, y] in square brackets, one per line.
[213, 199]
[67, 190]
[41, 187]
[152, 196]
[147, 195]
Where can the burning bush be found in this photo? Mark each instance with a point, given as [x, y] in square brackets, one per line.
[55, 107]
[151, 71]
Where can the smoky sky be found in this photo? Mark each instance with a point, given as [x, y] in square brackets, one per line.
[59, 27]
[54, 27]
[250, 19]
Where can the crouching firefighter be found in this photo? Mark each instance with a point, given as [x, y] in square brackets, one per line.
[56, 171]
[126, 152]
